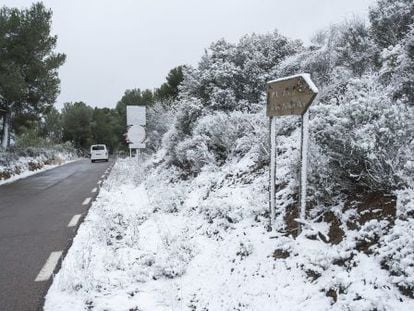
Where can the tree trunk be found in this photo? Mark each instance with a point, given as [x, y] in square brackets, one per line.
[5, 140]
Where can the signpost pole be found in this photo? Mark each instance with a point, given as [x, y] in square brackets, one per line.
[304, 165]
[290, 96]
[272, 175]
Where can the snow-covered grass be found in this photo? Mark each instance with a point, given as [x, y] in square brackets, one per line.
[15, 166]
[27, 173]
[153, 241]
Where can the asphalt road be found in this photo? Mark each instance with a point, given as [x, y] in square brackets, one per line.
[34, 216]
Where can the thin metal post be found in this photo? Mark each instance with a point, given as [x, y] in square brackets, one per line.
[272, 176]
[304, 165]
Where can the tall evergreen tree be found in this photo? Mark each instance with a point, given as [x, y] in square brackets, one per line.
[169, 90]
[134, 97]
[28, 63]
[77, 120]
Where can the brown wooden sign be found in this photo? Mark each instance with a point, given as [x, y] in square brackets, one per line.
[290, 96]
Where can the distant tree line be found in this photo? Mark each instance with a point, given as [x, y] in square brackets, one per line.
[83, 125]
[29, 85]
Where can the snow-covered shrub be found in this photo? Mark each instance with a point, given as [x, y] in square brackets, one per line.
[396, 252]
[232, 134]
[399, 64]
[229, 76]
[173, 260]
[187, 114]
[366, 136]
[159, 121]
[17, 160]
[354, 47]
[197, 140]
[193, 153]
[405, 203]
[390, 21]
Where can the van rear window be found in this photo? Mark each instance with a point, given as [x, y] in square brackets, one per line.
[98, 148]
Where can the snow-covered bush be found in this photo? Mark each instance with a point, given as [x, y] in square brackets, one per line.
[391, 20]
[396, 252]
[232, 134]
[197, 139]
[399, 63]
[366, 136]
[355, 49]
[230, 76]
[17, 160]
[159, 120]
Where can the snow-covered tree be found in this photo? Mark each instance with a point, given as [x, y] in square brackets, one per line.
[233, 76]
[391, 20]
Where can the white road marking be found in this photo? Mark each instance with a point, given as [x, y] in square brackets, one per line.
[86, 201]
[74, 221]
[94, 190]
[47, 270]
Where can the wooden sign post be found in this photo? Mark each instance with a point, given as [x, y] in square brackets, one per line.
[289, 96]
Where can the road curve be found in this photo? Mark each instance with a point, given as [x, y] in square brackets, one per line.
[39, 216]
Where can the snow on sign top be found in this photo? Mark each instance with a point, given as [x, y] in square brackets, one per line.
[135, 115]
[290, 95]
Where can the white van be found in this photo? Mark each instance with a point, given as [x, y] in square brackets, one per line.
[99, 152]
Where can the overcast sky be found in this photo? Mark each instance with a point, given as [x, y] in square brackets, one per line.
[121, 44]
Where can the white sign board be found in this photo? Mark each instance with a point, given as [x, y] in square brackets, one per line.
[136, 134]
[137, 146]
[136, 115]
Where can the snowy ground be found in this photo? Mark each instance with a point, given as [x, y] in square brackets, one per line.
[28, 166]
[161, 243]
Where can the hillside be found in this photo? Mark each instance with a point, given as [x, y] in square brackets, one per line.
[188, 229]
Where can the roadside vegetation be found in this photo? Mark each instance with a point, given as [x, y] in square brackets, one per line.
[202, 193]
[33, 132]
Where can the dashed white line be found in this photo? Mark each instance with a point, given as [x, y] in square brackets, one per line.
[86, 201]
[94, 190]
[74, 221]
[47, 270]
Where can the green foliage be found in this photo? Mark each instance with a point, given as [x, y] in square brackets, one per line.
[52, 127]
[169, 90]
[43, 133]
[84, 126]
[134, 97]
[28, 64]
[77, 120]
[106, 128]
[30, 137]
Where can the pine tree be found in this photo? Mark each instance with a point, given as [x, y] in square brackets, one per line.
[28, 64]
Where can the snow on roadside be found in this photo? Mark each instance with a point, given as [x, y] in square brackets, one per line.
[28, 166]
[164, 243]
